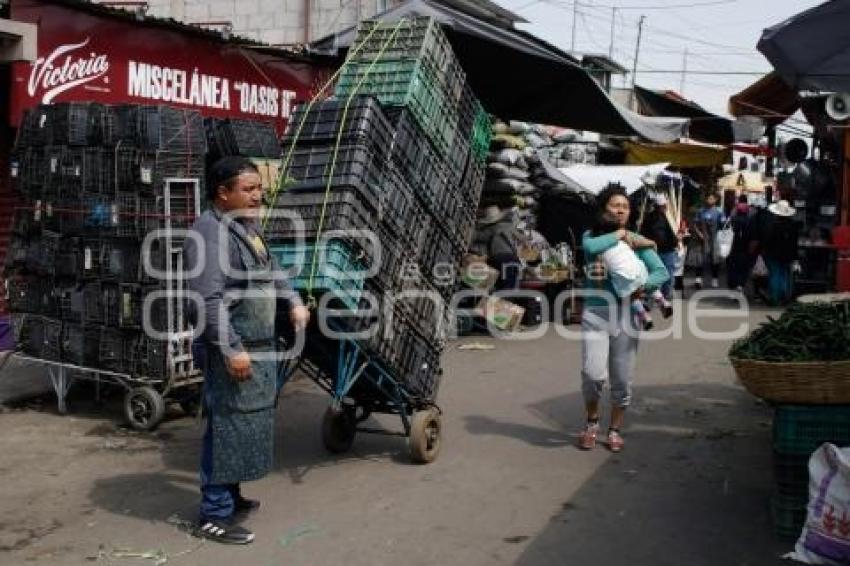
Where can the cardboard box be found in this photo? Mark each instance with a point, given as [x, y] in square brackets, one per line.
[269, 170]
[502, 314]
[476, 274]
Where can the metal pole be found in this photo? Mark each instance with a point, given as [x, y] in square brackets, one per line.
[684, 72]
[635, 64]
[573, 37]
[613, 20]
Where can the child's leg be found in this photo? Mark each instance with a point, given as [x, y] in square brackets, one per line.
[641, 314]
[663, 303]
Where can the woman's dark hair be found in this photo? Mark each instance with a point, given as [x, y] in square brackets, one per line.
[603, 223]
[225, 170]
[609, 192]
[742, 199]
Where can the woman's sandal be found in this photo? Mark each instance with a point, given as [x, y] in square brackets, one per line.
[615, 441]
[587, 438]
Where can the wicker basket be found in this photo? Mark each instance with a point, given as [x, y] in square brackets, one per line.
[803, 383]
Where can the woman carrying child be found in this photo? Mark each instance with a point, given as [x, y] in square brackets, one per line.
[611, 320]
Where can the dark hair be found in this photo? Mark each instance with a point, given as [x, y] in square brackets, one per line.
[609, 192]
[604, 224]
[742, 199]
[225, 170]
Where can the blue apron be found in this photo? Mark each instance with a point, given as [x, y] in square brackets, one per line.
[242, 413]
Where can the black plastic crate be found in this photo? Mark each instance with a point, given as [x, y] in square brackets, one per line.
[28, 171]
[23, 221]
[154, 168]
[120, 260]
[125, 175]
[352, 165]
[472, 183]
[365, 122]
[253, 138]
[93, 303]
[31, 337]
[343, 211]
[80, 345]
[125, 125]
[41, 252]
[112, 349]
[35, 127]
[69, 259]
[791, 473]
[25, 294]
[76, 123]
[129, 216]
[148, 358]
[72, 306]
[18, 256]
[421, 367]
[171, 129]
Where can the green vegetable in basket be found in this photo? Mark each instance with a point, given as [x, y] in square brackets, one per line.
[803, 333]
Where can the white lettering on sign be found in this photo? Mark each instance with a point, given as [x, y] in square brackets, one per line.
[54, 75]
[165, 84]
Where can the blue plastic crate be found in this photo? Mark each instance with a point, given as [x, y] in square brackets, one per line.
[338, 269]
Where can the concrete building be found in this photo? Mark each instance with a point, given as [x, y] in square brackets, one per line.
[289, 22]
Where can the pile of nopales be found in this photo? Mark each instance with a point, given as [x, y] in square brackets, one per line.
[803, 333]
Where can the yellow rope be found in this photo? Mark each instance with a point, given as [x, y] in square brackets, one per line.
[310, 298]
[285, 165]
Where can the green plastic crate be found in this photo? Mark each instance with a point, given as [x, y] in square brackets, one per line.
[482, 132]
[415, 38]
[801, 429]
[337, 271]
[410, 83]
[788, 514]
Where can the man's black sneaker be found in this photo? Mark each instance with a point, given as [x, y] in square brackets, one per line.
[219, 531]
[244, 506]
[667, 311]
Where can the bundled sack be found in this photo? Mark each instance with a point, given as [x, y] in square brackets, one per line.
[502, 171]
[503, 141]
[509, 186]
[509, 157]
[826, 535]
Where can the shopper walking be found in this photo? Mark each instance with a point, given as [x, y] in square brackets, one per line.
[241, 286]
[657, 228]
[708, 221]
[779, 249]
[609, 331]
[741, 260]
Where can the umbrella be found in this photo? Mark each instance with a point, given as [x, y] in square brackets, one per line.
[811, 51]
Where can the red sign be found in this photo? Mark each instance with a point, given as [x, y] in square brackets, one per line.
[84, 56]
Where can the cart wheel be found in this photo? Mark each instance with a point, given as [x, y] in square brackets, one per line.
[425, 436]
[338, 430]
[143, 408]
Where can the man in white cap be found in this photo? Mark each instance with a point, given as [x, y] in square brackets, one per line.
[657, 227]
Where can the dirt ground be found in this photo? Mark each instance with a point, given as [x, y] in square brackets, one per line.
[692, 486]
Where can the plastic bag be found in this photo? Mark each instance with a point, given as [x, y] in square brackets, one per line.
[723, 242]
[760, 268]
[826, 535]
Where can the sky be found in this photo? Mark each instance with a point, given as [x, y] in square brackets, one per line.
[719, 35]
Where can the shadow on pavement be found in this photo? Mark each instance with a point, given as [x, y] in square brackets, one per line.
[691, 487]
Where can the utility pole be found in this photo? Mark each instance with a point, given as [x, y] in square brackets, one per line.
[613, 20]
[634, 66]
[573, 37]
[684, 72]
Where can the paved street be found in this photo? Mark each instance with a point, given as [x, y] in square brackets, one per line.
[691, 487]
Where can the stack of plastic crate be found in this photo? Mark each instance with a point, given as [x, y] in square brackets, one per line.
[799, 430]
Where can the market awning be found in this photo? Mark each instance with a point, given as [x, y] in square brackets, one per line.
[594, 178]
[688, 155]
[705, 126]
[811, 51]
[770, 98]
[518, 76]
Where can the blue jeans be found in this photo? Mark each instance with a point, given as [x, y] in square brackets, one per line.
[669, 259]
[217, 500]
[779, 280]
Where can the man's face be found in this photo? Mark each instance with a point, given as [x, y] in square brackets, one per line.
[710, 200]
[244, 195]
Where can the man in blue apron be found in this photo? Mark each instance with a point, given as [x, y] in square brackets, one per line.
[242, 289]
